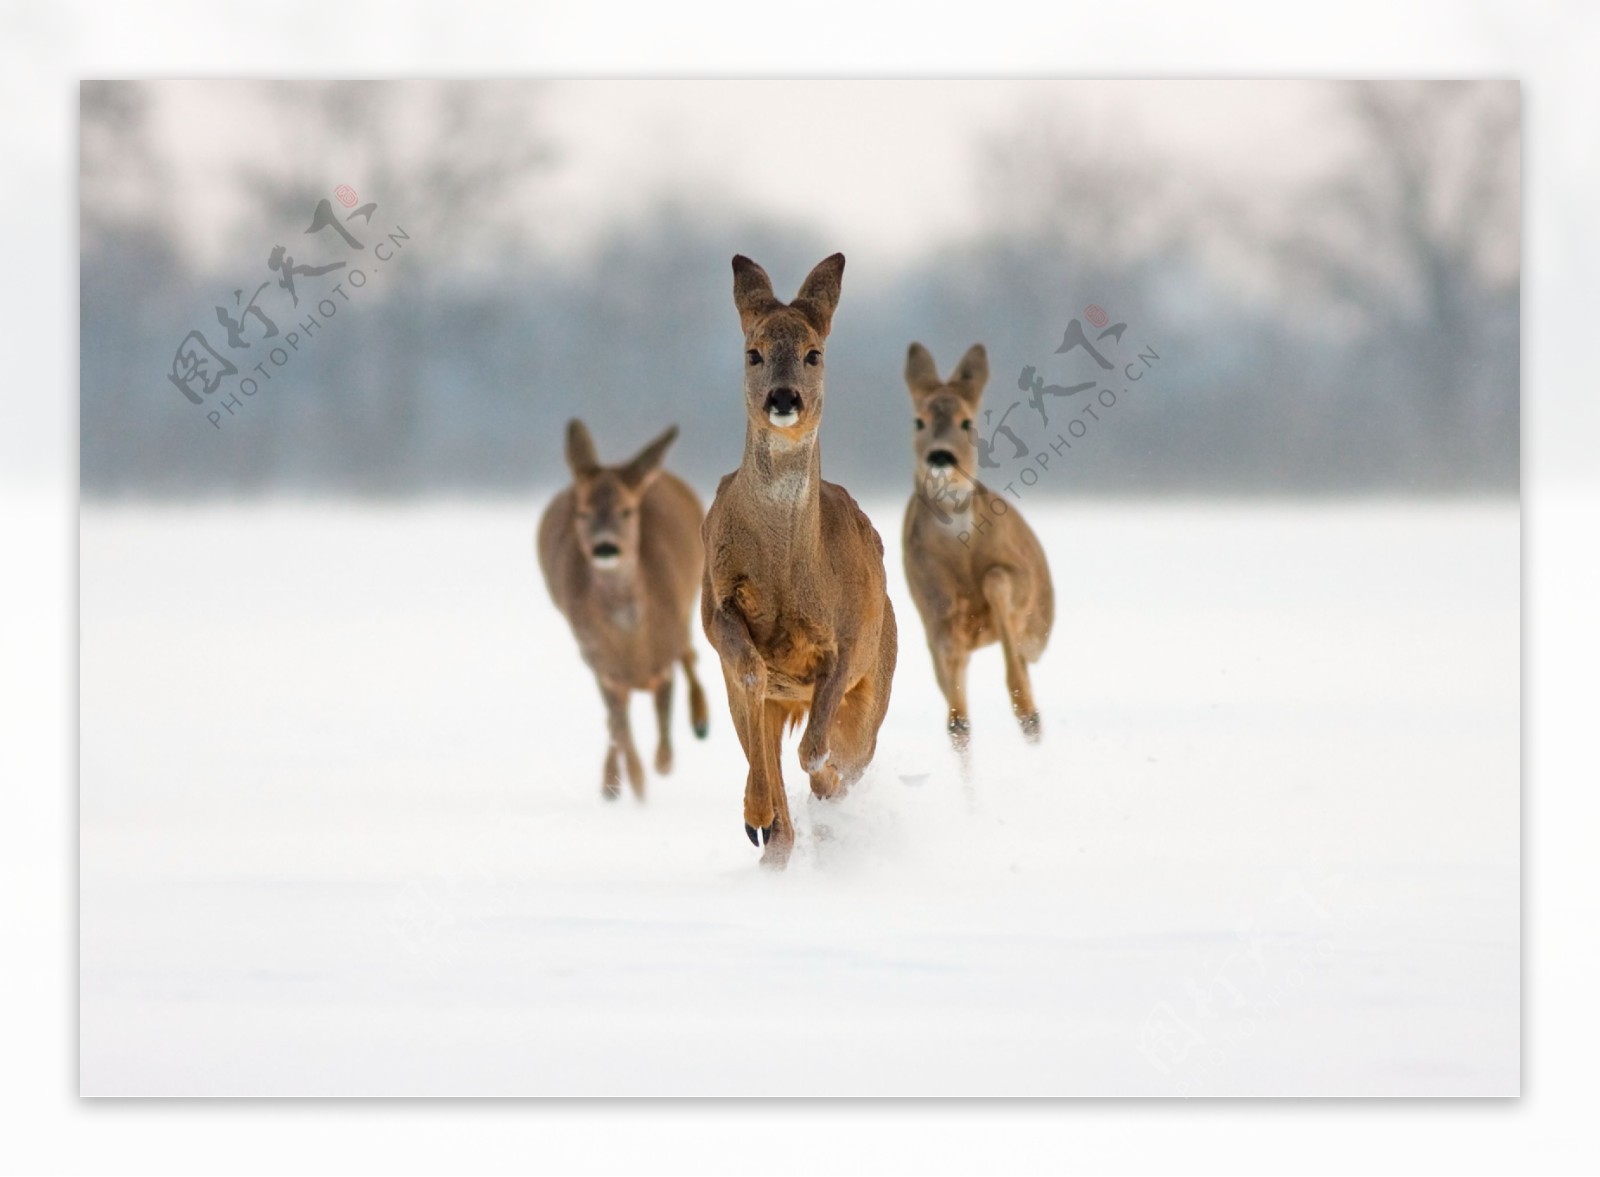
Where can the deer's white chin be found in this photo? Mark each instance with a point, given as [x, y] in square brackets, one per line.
[606, 563]
[940, 487]
[783, 420]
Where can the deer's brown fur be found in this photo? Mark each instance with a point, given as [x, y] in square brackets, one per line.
[621, 554]
[794, 598]
[976, 570]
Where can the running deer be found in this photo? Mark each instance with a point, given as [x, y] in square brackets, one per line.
[621, 556]
[794, 600]
[977, 572]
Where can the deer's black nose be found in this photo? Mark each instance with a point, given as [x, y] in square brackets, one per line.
[783, 401]
[941, 458]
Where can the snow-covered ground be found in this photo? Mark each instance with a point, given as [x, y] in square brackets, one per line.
[342, 829]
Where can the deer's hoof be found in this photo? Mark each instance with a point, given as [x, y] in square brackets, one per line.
[750, 832]
[702, 729]
[1031, 730]
[826, 782]
[611, 790]
[814, 750]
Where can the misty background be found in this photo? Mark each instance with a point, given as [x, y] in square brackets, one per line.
[1330, 273]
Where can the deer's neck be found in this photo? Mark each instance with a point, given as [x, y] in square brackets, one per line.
[786, 482]
[950, 495]
[618, 593]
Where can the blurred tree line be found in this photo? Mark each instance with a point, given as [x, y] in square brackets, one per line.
[1383, 357]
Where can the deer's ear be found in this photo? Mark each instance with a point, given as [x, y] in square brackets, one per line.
[819, 293]
[752, 291]
[921, 373]
[642, 469]
[581, 457]
[971, 374]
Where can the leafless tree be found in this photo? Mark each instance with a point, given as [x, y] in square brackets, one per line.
[451, 157]
[1416, 232]
[1079, 177]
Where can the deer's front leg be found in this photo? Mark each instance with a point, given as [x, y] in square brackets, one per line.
[950, 657]
[827, 690]
[611, 774]
[746, 675]
[616, 700]
[663, 698]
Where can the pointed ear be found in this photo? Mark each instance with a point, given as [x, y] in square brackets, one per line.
[971, 374]
[642, 469]
[581, 457]
[819, 293]
[922, 375]
[752, 291]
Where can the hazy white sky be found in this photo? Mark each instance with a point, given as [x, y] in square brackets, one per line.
[891, 160]
[889, 163]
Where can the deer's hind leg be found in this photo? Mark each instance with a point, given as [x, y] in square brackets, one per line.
[998, 590]
[699, 716]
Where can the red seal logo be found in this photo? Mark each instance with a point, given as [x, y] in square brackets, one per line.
[347, 195]
[1096, 315]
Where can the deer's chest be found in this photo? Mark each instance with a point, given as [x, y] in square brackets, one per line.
[945, 572]
[616, 637]
[794, 641]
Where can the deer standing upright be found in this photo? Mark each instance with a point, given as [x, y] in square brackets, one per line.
[976, 570]
[794, 598]
[620, 552]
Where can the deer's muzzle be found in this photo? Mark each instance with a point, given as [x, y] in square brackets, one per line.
[783, 407]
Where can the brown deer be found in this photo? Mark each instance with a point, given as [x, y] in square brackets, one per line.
[621, 556]
[795, 600]
[976, 570]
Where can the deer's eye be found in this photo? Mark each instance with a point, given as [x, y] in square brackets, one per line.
[967, 424]
[921, 424]
[626, 512]
[813, 357]
[753, 356]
